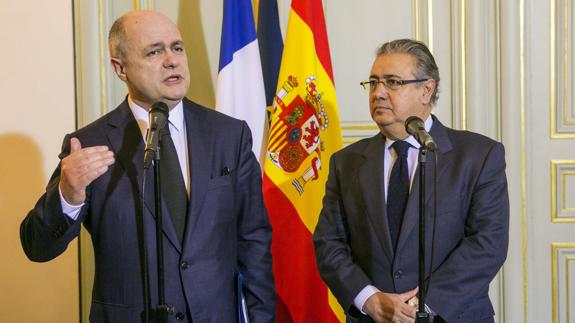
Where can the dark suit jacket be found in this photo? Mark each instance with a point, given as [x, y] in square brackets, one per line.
[352, 243]
[227, 228]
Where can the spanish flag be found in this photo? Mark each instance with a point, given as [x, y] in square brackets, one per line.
[304, 132]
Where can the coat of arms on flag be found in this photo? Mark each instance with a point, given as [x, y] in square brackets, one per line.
[300, 116]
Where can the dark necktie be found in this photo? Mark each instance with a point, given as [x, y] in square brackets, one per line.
[173, 185]
[398, 190]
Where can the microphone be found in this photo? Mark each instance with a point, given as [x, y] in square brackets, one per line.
[158, 121]
[415, 127]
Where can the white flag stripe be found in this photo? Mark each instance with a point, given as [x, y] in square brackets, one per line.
[241, 91]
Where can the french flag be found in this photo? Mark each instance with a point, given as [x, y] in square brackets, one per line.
[240, 85]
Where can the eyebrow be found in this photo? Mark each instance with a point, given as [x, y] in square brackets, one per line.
[161, 44]
[384, 76]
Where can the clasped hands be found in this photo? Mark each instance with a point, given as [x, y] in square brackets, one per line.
[392, 308]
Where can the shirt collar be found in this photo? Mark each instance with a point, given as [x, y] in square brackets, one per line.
[176, 115]
[411, 140]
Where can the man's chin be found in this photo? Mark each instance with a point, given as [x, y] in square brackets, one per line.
[173, 98]
[383, 121]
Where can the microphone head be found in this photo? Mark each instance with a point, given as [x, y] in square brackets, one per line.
[159, 115]
[160, 107]
[412, 124]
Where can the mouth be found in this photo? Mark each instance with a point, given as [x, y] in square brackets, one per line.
[381, 109]
[174, 78]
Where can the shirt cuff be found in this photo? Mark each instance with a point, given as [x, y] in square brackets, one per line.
[72, 211]
[362, 297]
[429, 310]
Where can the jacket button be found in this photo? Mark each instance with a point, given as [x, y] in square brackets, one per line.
[184, 265]
[180, 316]
[398, 274]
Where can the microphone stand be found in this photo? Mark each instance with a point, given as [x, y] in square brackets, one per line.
[422, 316]
[163, 310]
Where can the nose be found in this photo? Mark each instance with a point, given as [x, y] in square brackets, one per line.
[171, 59]
[380, 92]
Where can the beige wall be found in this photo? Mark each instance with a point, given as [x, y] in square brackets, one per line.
[37, 108]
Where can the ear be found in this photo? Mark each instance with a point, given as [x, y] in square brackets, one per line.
[119, 68]
[428, 89]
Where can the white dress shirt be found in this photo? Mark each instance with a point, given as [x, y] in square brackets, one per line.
[389, 158]
[178, 133]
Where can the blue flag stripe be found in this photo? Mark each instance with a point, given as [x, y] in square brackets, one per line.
[238, 29]
[271, 45]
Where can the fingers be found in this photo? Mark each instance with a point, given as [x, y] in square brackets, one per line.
[75, 144]
[81, 167]
[409, 294]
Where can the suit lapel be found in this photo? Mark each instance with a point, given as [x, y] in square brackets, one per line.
[411, 215]
[371, 178]
[126, 140]
[200, 152]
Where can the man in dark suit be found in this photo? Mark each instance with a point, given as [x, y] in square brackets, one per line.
[366, 239]
[220, 229]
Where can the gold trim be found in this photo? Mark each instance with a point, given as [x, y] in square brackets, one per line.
[567, 300]
[554, 206]
[416, 18]
[563, 190]
[430, 25]
[499, 99]
[554, 282]
[565, 58]
[553, 190]
[101, 57]
[499, 104]
[463, 58]
[374, 127]
[553, 117]
[555, 246]
[451, 51]
[552, 68]
[523, 152]
[351, 140]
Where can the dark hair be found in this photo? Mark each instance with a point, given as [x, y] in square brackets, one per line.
[425, 67]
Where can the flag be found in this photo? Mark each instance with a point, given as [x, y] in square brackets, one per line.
[271, 46]
[304, 133]
[240, 85]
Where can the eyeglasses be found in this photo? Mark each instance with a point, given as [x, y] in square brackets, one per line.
[390, 83]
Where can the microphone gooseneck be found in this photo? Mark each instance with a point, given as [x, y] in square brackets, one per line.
[415, 127]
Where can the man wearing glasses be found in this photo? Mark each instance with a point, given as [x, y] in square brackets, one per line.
[366, 239]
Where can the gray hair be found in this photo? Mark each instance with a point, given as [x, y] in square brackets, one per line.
[425, 66]
[116, 39]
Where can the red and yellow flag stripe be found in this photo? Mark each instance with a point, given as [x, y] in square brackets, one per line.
[304, 133]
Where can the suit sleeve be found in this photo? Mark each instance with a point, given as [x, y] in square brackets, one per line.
[46, 230]
[332, 250]
[254, 236]
[465, 275]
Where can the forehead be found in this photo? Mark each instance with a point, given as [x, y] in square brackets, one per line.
[395, 64]
[145, 30]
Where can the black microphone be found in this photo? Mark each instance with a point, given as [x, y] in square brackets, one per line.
[158, 121]
[415, 127]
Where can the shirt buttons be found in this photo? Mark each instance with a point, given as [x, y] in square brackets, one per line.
[184, 265]
[398, 274]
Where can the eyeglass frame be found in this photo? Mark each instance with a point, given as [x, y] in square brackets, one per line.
[384, 80]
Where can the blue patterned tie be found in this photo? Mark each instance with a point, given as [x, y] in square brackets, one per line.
[398, 190]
